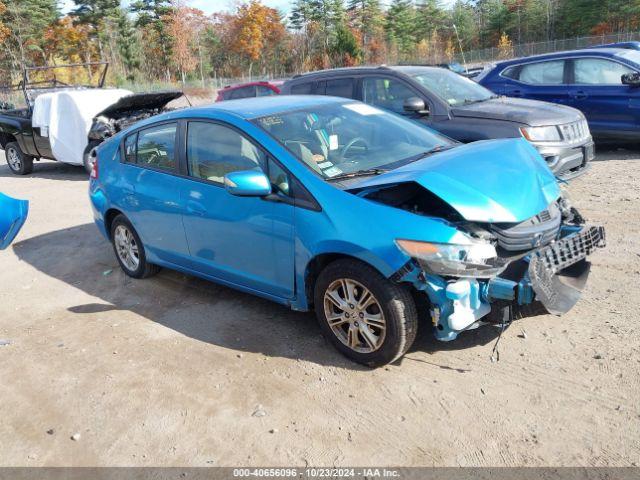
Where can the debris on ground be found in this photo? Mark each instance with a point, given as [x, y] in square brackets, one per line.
[107, 272]
[51, 431]
[4, 342]
[75, 437]
[259, 411]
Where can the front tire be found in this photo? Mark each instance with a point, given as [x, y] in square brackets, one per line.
[368, 318]
[129, 249]
[19, 163]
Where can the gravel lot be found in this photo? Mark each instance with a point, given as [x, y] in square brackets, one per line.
[177, 371]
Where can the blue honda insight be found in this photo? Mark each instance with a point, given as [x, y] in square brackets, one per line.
[376, 222]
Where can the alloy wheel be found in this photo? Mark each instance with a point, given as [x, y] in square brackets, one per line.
[126, 247]
[354, 315]
[13, 159]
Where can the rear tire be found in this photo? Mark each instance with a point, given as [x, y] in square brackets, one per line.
[370, 319]
[19, 163]
[129, 249]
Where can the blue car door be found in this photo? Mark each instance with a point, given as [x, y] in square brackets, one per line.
[596, 89]
[245, 241]
[544, 80]
[150, 193]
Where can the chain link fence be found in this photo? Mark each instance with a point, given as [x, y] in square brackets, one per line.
[536, 48]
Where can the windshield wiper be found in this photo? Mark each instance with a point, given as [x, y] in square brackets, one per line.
[436, 149]
[358, 173]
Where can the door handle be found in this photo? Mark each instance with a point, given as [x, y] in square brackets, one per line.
[515, 93]
[580, 95]
[196, 209]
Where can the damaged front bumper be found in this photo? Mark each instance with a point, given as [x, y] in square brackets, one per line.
[549, 279]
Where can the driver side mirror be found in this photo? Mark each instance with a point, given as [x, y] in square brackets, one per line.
[247, 183]
[632, 79]
[416, 106]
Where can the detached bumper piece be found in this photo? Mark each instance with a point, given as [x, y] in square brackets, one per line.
[559, 272]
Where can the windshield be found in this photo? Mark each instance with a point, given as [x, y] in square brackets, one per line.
[453, 88]
[631, 55]
[344, 138]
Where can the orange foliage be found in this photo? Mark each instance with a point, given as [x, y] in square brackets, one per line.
[183, 25]
[257, 28]
[4, 31]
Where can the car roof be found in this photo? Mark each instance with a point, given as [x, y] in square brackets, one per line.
[255, 107]
[604, 52]
[406, 69]
[251, 84]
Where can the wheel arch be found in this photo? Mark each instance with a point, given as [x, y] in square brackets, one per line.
[109, 216]
[6, 138]
[319, 262]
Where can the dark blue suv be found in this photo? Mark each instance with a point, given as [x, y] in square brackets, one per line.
[604, 83]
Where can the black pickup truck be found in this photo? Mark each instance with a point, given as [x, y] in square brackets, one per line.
[23, 143]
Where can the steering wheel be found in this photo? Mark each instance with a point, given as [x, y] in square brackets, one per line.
[353, 142]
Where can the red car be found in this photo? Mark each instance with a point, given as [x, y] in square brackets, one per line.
[251, 89]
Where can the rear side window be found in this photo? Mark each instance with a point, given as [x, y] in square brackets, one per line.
[543, 73]
[338, 87]
[213, 150]
[262, 91]
[243, 92]
[301, 88]
[153, 147]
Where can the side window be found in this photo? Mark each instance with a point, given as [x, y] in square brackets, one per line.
[156, 147]
[243, 92]
[511, 72]
[130, 148]
[214, 150]
[598, 71]
[262, 91]
[338, 87]
[387, 93]
[543, 73]
[279, 178]
[301, 88]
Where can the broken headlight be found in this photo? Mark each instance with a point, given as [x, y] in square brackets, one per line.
[475, 260]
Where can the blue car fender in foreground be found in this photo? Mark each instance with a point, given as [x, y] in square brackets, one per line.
[13, 214]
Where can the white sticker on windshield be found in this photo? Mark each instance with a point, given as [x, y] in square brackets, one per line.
[325, 165]
[363, 109]
[332, 172]
[333, 142]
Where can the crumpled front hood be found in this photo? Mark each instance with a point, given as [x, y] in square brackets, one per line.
[139, 101]
[519, 110]
[488, 181]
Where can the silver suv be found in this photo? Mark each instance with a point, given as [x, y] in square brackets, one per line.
[460, 108]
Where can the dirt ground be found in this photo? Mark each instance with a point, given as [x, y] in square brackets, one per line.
[177, 371]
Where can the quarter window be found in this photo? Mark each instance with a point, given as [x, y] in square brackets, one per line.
[543, 73]
[243, 92]
[301, 89]
[339, 87]
[598, 71]
[262, 91]
[130, 148]
[155, 147]
[387, 93]
[214, 150]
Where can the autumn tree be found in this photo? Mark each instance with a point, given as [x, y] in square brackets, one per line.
[257, 31]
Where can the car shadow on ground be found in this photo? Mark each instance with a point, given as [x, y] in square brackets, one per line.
[615, 151]
[199, 309]
[50, 170]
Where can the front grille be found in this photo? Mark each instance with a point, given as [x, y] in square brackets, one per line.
[575, 131]
[538, 230]
[567, 251]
